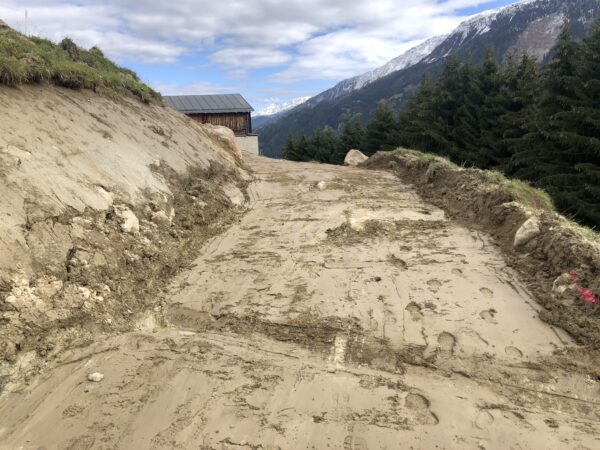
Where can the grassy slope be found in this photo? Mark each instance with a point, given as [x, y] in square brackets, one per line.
[29, 59]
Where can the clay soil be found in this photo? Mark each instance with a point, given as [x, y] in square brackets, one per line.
[342, 311]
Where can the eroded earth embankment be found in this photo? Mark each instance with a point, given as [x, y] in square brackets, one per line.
[101, 203]
[341, 311]
[559, 261]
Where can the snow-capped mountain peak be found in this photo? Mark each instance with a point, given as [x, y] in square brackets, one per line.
[405, 60]
[276, 108]
[410, 58]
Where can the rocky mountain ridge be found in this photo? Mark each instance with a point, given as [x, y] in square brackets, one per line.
[531, 26]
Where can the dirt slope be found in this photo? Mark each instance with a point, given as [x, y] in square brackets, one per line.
[342, 311]
[102, 201]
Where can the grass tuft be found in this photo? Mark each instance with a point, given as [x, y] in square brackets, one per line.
[426, 158]
[523, 192]
[518, 190]
[36, 60]
[12, 71]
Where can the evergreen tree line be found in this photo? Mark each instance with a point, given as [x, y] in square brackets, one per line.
[541, 125]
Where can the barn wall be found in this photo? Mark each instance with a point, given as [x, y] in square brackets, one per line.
[238, 122]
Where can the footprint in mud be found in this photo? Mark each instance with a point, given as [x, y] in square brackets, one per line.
[416, 401]
[419, 405]
[415, 311]
[80, 442]
[73, 410]
[489, 316]
[446, 342]
[484, 420]
[513, 352]
[487, 292]
[355, 443]
[397, 262]
[457, 272]
[434, 285]
[372, 324]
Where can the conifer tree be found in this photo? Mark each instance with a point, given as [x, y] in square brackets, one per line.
[352, 132]
[447, 96]
[290, 150]
[465, 134]
[580, 139]
[416, 119]
[542, 151]
[493, 107]
[519, 95]
[381, 132]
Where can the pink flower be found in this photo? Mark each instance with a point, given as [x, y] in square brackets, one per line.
[586, 295]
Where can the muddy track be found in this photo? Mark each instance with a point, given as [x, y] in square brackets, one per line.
[342, 311]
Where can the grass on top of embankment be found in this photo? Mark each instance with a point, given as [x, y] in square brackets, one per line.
[518, 190]
[34, 60]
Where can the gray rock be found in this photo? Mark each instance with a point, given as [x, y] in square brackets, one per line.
[354, 158]
[528, 231]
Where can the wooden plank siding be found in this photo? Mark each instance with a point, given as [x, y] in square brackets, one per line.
[240, 123]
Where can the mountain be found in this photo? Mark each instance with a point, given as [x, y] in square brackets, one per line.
[530, 26]
[410, 58]
[274, 110]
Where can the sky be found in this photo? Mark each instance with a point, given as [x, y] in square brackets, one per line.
[270, 51]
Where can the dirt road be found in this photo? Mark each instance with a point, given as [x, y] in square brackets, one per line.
[341, 312]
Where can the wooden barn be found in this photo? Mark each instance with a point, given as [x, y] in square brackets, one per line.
[229, 110]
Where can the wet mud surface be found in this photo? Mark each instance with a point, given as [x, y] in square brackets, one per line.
[341, 311]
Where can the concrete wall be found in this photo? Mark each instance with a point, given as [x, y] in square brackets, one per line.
[249, 143]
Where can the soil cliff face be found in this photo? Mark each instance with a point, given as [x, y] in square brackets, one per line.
[101, 201]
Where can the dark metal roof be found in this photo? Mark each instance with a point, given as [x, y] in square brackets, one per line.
[195, 104]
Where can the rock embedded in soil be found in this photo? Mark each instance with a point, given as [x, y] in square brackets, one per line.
[528, 231]
[354, 158]
[129, 221]
[95, 377]
[161, 218]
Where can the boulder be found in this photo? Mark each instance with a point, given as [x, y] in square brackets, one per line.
[354, 158]
[529, 230]
[3, 24]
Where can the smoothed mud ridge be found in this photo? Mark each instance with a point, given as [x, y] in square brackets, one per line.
[340, 310]
[556, 248]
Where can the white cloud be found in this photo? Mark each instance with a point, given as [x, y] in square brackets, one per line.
[307, 38]
[194, 88]
[241, 59]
